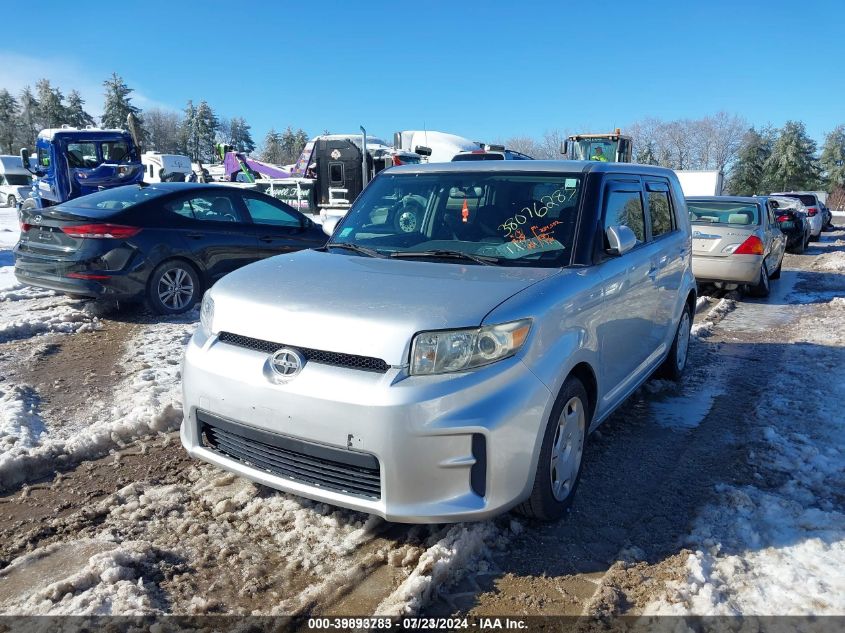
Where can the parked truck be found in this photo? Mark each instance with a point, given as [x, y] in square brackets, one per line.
[72, 162]
[165, 167]
[614, 147]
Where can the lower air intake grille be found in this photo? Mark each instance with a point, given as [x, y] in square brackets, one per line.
[352, 361]
[335, 469]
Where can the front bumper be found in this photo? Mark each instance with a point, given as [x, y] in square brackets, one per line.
[448, 448]
[743, 269]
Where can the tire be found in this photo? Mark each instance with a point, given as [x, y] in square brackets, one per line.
[762, 287]
[564, 438]
[174, 287]
[11, 201]
[673, 366]
[408, 217]
[29, 204]
[776, 274]
[801, 247]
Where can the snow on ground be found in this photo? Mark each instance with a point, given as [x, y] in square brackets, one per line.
[9, 233]
[725, 305]
[779, 548]
[147, 401]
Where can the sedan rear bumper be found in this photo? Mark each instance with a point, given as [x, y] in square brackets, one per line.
[743, 269]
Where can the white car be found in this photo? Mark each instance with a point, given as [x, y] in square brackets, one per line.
[15, 181]
[810, 206]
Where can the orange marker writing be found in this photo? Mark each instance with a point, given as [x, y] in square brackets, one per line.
[465, 212]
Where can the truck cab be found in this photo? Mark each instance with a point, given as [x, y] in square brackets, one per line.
[614, 147]
[69, 163]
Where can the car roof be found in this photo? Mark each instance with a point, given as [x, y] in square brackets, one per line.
[171, 187]
[552, 166]
[745, 199]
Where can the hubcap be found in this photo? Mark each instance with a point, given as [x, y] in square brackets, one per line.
[175, 288]
[683, 342]
[408, 221]
[567, 448]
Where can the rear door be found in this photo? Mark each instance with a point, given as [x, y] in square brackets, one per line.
[277, 226]
[215, 231]
[672, 249]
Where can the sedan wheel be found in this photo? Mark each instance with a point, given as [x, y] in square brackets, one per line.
[11, 201]
[174, 288]
[761, 288]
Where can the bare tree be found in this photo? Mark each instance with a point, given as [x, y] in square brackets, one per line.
[163, 130]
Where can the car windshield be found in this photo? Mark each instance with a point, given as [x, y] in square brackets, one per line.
[495, 217]
[734, 213]
[18, 179]
[116, 198]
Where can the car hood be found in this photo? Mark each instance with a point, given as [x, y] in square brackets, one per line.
[360, 305]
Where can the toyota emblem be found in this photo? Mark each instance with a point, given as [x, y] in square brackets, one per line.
[286, 363]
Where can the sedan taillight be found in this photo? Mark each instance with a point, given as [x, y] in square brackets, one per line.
[101, 231]
[752, 246]
[811, 211]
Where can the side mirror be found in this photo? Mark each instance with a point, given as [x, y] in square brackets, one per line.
[564, 148]
[25, 158]
[621, 239]
[422, 150]
[329, 225]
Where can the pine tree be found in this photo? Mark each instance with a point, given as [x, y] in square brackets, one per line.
[118, 103]
[240, 135]
[646, 155]
[30, 125]
[205, 128]
[832, 159]
[748, 176]
[9, 122]
[792, 165]
[273, 151]
[187, 138]
[75, 114]
[51, 111]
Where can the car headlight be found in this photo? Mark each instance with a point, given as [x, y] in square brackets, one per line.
[207, 313]
[443, 351]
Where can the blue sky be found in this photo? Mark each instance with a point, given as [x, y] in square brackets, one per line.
[482, 70]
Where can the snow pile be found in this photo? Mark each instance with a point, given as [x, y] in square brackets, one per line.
[21, 292]
[108, 582]
[779, 551]
[440, 565]
[61, 315]
[20, 423]
[831, 261]
[148, 401]
[714, 315]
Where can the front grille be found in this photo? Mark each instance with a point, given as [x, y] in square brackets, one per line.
[352, 361]
[344, 471]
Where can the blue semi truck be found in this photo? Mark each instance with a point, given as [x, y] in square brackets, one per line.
[70, 162]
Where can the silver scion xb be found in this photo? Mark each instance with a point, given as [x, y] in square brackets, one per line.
[736, 242]
[444, 357]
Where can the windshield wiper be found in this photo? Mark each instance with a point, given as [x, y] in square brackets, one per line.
[370, 252]
[478, 259]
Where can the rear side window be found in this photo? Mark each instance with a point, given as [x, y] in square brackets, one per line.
[660, 209]
[625, 208]
[262, 212]
[207, 207]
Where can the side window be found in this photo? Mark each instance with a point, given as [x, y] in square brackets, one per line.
[336, 173]
[263, 212]
[660, 209]
[43, 157]
[180, 207]
[208, 207]
[626, 208]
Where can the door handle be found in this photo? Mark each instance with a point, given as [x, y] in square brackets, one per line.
[266, 238]
[195, 236]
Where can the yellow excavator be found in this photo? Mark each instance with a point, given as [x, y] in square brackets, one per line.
[610, 148]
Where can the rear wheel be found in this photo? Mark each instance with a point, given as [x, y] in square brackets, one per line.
[174, 287]
[676, 361]
[561, 454]
[762, 287]
[802, 245]
[776, 274]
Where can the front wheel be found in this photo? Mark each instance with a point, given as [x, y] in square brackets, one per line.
[676, 361]
[561, 454]
[174, 287]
